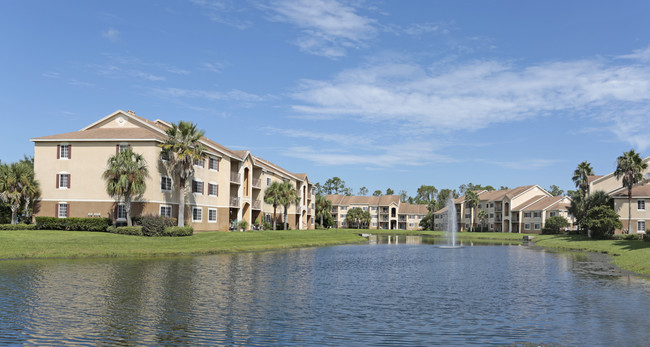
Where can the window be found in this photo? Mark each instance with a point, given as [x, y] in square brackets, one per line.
[197, 187]
[526, 214]
[121, 212]
[165, 183]
[552, 214]
[491, 204]
[479, 205]
[122, 147]
[491, 215]
[466, 215]
[165, 211]
[63, 180]
[198, 162]
[466, 225]
[411, 225]
[411, 216]
[212, 215]
[164, 156]
[197, 214]
[640, 226]
[374, 224]
[491, 226]
[365, 208]
[64, 152]
[640, 205]
[526, 226]
[214, 164]
[268, 181]
[267, 218]
[343, 208]
[213, 189]
[538, 226]
[63, 211]
[374, 208]
[537, 214]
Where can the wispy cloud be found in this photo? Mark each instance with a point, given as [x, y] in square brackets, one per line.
[224, 12]
[477, 95]
[215, 67]
[524, 164]
[212, 95]
[418, 29]
[131, 67]
[328, 27]
[344, 140]
[111, 34]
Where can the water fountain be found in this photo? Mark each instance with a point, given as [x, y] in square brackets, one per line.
[451, 223]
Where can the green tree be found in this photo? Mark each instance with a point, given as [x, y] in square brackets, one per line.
[273, 196]
[182, 147]
[376, 193]
[463, 188]
[125, 176]
[581, 177]
[30, 188]
[357, 217]
[630, 168]
[503, 188]
[602, 221]
[334, 185]
[347, 191]
[363, 191]
[12, 179]
[554, 224]
[426, 194]
[390, 191]
[443, 195]
[471, 201]
[289, 196]
[555, 190]
[482, 216]
[403, 196]
[427, 223]
[323, 209]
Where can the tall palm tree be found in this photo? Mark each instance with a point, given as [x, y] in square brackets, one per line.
[125, 176]
[630, 168]
[289, 196]
[482, 217]
[273, 196]
[30, 187]
[580, 177]
[471, 201]
[323, 206]
[182, 147]
[12, 177]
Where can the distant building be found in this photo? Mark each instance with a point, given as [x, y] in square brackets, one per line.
[386, 211]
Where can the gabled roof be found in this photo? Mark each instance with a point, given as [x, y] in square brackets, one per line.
[265, 164]
[406, 208]
[593, 178]
[544, 203]
[101, 134]
[639, 190]
[609, 175]
[527, 203]
[383, 200]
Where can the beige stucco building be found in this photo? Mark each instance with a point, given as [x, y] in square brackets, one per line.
[386, 211]
[519, 210]
[640, 195]
[227, 185]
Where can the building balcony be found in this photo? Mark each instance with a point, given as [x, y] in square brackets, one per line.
[235, 178]
[257, 204]
[257, 183]
[234, 201]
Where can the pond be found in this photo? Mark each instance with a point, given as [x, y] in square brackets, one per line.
[406, 292]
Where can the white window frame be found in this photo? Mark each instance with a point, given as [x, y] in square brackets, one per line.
[65, 210]
[200, 163]
[527, 214]
[64, 186]
[639, 203]
[123, 147]
[268, 181]
[638, 226]
[210, 184]
[537, 214]
[200, 210]
[344, 208]
[210, 211]
[171, 183]
[538, 226]
[200, 191]
[491, 226]
[120, 207]
[526, 226]
[166, 207]
[210, 160]
[162, 157]
[67, 151]
[552, 214]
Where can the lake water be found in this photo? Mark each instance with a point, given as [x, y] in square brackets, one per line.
[408, 292]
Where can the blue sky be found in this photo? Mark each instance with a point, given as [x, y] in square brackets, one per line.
[380, 93]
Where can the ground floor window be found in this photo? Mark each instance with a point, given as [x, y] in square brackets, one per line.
[526, 226]
[63, 210]
[165, 211]
[212, 215]
[197, 214]
[411, 225]
[121, 211]
[640, 226]
[538, 226]
[267, 218]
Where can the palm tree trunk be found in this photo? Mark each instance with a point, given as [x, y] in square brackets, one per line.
[274, 217]
[127, 207]
[286, 215]
[321, 218]
[181, 203]
[629, 209]
[14, 213]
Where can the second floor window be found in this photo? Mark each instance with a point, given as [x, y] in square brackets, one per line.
[63, 180]
[268, 181]
[64, 152]
[640, 205]
[197, 187]
[214, 164]
[165, 183]
[198, 162]
[213, 189]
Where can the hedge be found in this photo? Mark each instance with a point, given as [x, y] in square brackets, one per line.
[178, 231]
[136, 230]
[76, 224]
[20, 226]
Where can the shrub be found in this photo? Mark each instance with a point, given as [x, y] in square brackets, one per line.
[152, 225]
[242, 225]
[76, 224]
[266, 226]
[136, 230]
[169, 221]
[17, 226]
[554, 224]
[178, 231]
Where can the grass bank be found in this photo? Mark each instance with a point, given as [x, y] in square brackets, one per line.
[460, 236]
[24, 244]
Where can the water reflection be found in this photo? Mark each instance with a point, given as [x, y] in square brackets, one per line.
[398, 291]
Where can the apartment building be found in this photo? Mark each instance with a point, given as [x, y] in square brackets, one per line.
[227, 185]
[386, 211]
[521, 209]
[640, 194]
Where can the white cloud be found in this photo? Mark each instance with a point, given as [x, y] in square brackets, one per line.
[328, 27]
[344, 140]
[111, 34]
[233, 94]
[214, 67]
[420, 99]
[523, 164]
[224, 12]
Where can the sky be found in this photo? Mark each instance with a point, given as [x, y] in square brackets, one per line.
[383, 94]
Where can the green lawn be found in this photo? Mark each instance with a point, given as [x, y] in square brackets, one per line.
[78, 244]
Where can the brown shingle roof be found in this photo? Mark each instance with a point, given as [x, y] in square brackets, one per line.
[105, 134]
[527, 203]
[593, 178]
[641, 190]
[544, 203]
[383, 200]
[406, 208]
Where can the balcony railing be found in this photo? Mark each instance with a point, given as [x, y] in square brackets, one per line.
[257, 204]
[235, 177]
[234, 201]
[257, 183]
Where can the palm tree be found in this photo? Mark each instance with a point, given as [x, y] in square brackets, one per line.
[30, 187]
[182, 148]
[630, 168]
[289, 196]
[323, 206]
[125, 177]
[12, 177]
[580, 177]
[471, 201]
[273, 196]
[482, 216]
